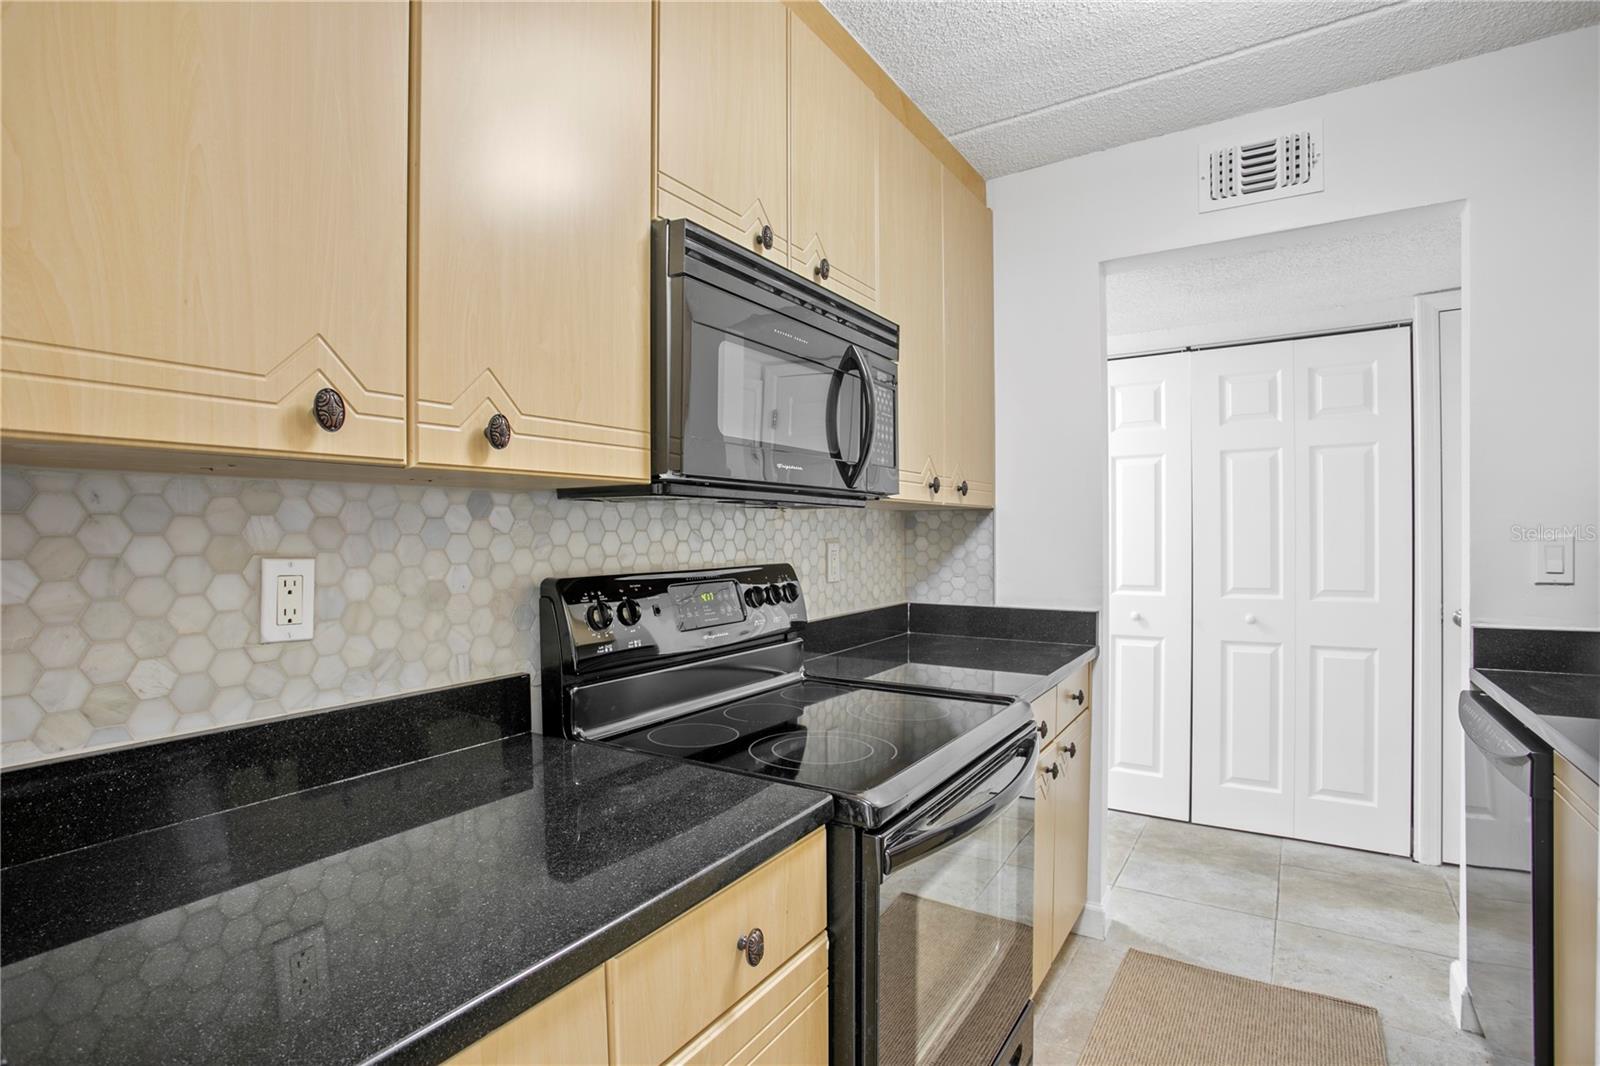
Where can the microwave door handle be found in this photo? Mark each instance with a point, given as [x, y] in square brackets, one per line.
[923, 837]
[869, 414]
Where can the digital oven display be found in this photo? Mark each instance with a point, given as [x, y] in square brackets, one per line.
[712, 603]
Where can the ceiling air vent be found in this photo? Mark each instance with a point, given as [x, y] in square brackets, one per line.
[1261, 168]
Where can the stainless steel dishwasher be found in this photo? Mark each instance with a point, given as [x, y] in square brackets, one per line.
[1509, 890]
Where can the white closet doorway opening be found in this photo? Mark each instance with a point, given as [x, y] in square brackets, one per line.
[1296, 641]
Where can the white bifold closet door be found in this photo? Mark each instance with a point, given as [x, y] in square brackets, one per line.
[1301, 453]
[1148, 626]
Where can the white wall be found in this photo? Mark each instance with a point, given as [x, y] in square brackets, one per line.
[1514, 134]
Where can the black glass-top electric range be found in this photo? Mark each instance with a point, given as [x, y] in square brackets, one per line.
[929, 856]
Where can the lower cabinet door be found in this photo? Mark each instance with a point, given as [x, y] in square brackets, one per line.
[1577, 861]
[1071, 825]
[803, 1043]
[568, 1029]
[1044, 871]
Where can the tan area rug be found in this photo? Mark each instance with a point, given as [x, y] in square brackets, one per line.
[1162, 1012]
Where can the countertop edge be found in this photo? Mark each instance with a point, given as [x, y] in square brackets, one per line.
[475, 1019]
[1051, 680]
[1559, 743]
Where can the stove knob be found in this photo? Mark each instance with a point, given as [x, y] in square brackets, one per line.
[791, 592]
[599, 615]
[628, 613]
[754, 596]
[774, 595]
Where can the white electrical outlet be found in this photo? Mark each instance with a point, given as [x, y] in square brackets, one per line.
[835, 561]
[288, 593]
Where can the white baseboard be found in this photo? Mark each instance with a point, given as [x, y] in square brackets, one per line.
[1461, 999]
[1092, 922]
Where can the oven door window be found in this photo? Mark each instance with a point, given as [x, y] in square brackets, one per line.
[779, 402]
[955, 933]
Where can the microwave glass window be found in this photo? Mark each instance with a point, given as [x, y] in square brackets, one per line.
[767, 398]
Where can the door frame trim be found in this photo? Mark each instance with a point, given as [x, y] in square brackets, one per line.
[1427, 774]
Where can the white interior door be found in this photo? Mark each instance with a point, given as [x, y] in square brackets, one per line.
[1353, 620]
[1148, 627]
[1244, 620]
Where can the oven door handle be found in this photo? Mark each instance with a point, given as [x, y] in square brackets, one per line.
[853, 471]
[922, 836]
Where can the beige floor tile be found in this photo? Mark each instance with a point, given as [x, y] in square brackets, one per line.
[1224, 940]
[1071, 997]
[1121, 833]
[1410, 989]
[1423, 921]
[1410, 1049]
[1205, 865]
[1365, 865]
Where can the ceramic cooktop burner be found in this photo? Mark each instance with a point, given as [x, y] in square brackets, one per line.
[833, 748]
[694, 734]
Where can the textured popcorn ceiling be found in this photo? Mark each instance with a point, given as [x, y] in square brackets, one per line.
[1261, 286]
[1016, 85]
[131, 604]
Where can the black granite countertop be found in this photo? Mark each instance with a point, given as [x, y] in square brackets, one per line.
[400, 914]
[1019, 653]
[1018, 669]
[1562, 709]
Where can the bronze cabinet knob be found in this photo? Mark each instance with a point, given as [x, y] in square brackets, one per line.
[1044, 730]
[328, 409]
[962, 488]
[1076, 697]
[1071, 750]
[754, 945]
[822, 270]
[936, 484]
[1054, 770]
[764, 238]
[498, 431]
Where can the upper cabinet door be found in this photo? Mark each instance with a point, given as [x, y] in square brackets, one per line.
[911, 293]
[204, 225]
[969, 343]
[833, 152]
[532, 240]
[722, 121]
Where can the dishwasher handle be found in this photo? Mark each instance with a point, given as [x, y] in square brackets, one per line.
[1503, 742]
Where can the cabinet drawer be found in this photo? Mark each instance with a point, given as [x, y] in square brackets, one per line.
[568, 1029]
[759, 1020]
[803, 1042]
[1073, 697]
[675, 982]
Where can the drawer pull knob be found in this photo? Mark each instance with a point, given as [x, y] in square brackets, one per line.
[962, 488]
[498, 431]
[1054, 770]
[1076, 697]
[328, 409]
[754, 945]
[764, 238]
[936, 484]
[1044, 730]
[1071, 750]
[824, 269]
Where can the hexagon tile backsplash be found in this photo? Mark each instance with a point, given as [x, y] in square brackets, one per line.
[131, 610]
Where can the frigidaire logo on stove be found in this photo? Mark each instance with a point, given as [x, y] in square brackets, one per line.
[791, 336]
[790, 466]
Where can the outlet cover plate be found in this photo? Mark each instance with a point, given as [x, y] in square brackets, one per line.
[274, 574]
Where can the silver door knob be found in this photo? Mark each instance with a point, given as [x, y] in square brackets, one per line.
[1249, 619]
[1135, 616]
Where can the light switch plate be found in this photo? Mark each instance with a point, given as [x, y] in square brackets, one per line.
[1552, 561]
[288, 597]
[835, 561]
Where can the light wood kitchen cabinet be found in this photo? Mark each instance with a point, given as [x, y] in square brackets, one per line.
[1060, 820]
[568, 1029]
[690, 992]
[205, 224]
[911, 293]
[969, 344]
[833, 169]
[1576, 814]
[532, 228]
[722, 97]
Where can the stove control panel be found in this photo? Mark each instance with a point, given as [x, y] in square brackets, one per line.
[604, 619]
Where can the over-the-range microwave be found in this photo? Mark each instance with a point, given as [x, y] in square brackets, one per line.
[765, 388]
